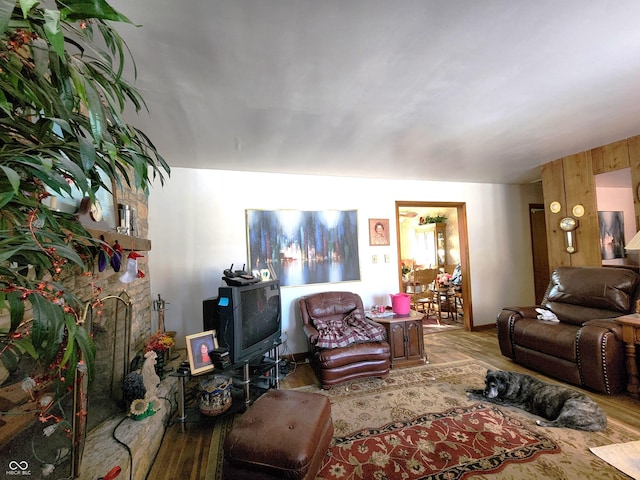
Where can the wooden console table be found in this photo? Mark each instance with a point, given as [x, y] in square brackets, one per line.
[404, 334]
[631, 336]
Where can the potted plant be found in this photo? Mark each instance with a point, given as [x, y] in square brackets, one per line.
[406, 271]
[161, 343]
[62, 98]
[432, 219]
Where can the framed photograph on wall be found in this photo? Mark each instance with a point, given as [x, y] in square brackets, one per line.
[198, 347]
[611, 235]
[304, 247]
[379, 231]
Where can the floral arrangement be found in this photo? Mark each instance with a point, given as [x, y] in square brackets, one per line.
[159, 342]
[444, 279]
[435, 219]
[406, 270]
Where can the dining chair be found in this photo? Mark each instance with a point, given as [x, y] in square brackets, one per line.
[423, 299]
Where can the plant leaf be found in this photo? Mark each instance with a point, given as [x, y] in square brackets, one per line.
[54, 31]
[82, 9]
[16, 309]
[5, 198]
[70, 323]
[12, 176]
[25, 345]
[88, 349]
[48, 324]
[6, 9]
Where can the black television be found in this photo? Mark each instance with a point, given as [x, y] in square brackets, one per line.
[247, 319]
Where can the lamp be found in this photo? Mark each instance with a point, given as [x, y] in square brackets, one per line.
[634, 244]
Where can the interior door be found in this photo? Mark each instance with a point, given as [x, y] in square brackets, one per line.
[539, 250]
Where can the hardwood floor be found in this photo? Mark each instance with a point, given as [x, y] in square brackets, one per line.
[185, 448]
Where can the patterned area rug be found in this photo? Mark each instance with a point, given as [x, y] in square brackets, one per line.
[387, 408]
[216, 450]
[447, 445]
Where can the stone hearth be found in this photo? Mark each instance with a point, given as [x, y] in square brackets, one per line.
[142, 438]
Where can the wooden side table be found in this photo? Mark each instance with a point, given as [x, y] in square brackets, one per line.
[404, 334]
[631, 336]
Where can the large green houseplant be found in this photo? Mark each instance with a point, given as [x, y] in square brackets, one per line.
[62, 99]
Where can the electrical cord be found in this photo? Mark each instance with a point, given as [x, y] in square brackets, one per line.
[127, 446]
[113, 435]
[287, 351]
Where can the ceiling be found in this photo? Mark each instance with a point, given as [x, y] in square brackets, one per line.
[448, 90]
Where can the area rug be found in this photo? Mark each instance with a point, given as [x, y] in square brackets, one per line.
[439, 392]
[420, 405]
[221, 427]
[448, 445]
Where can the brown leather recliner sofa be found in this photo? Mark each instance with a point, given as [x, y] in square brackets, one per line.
[584, 346]
[344, 363]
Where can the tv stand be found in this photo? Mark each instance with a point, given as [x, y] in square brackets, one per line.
[262, 372]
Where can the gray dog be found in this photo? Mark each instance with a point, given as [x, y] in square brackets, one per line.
[562, 406]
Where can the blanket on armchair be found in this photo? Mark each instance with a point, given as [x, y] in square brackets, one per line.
[345, 331]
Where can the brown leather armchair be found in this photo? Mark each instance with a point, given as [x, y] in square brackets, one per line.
[341, 364]
[584, 345]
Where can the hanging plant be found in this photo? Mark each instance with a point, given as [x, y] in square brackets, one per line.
[61, 103]
[435, 219]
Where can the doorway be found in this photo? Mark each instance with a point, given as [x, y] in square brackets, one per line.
[539, 250]
[457, 248]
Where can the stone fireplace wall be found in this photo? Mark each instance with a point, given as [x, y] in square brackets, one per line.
[108, 325]
[18, 431]
[102, 284]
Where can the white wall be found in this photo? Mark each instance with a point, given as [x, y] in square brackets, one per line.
[197, 229]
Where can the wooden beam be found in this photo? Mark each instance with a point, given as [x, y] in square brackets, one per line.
[552, 175]
[128, 242]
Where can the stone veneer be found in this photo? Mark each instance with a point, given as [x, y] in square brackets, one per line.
[139, 290]
[142, 439]
[102, 452]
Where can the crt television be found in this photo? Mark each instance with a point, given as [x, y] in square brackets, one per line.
[247, 319]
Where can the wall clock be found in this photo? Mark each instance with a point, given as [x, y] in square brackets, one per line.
[102, 210]
[568, 225]
[96, 211]
[91, 214]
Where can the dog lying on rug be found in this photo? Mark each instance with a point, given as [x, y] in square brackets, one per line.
[560, 406]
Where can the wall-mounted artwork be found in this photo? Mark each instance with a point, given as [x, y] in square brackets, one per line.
[304, 247]
[379, 231]
[611, 235]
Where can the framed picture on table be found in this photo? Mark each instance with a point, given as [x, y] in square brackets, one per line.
[198, 347]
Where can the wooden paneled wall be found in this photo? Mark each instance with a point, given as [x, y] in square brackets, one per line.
[570, 181]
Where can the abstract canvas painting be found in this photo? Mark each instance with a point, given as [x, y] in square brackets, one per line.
[611, 234]
[304, 247]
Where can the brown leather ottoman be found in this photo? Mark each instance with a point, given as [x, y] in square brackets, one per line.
[283, 435]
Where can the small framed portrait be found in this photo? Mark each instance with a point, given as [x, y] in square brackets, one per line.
[198, 347]
[379, 231]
